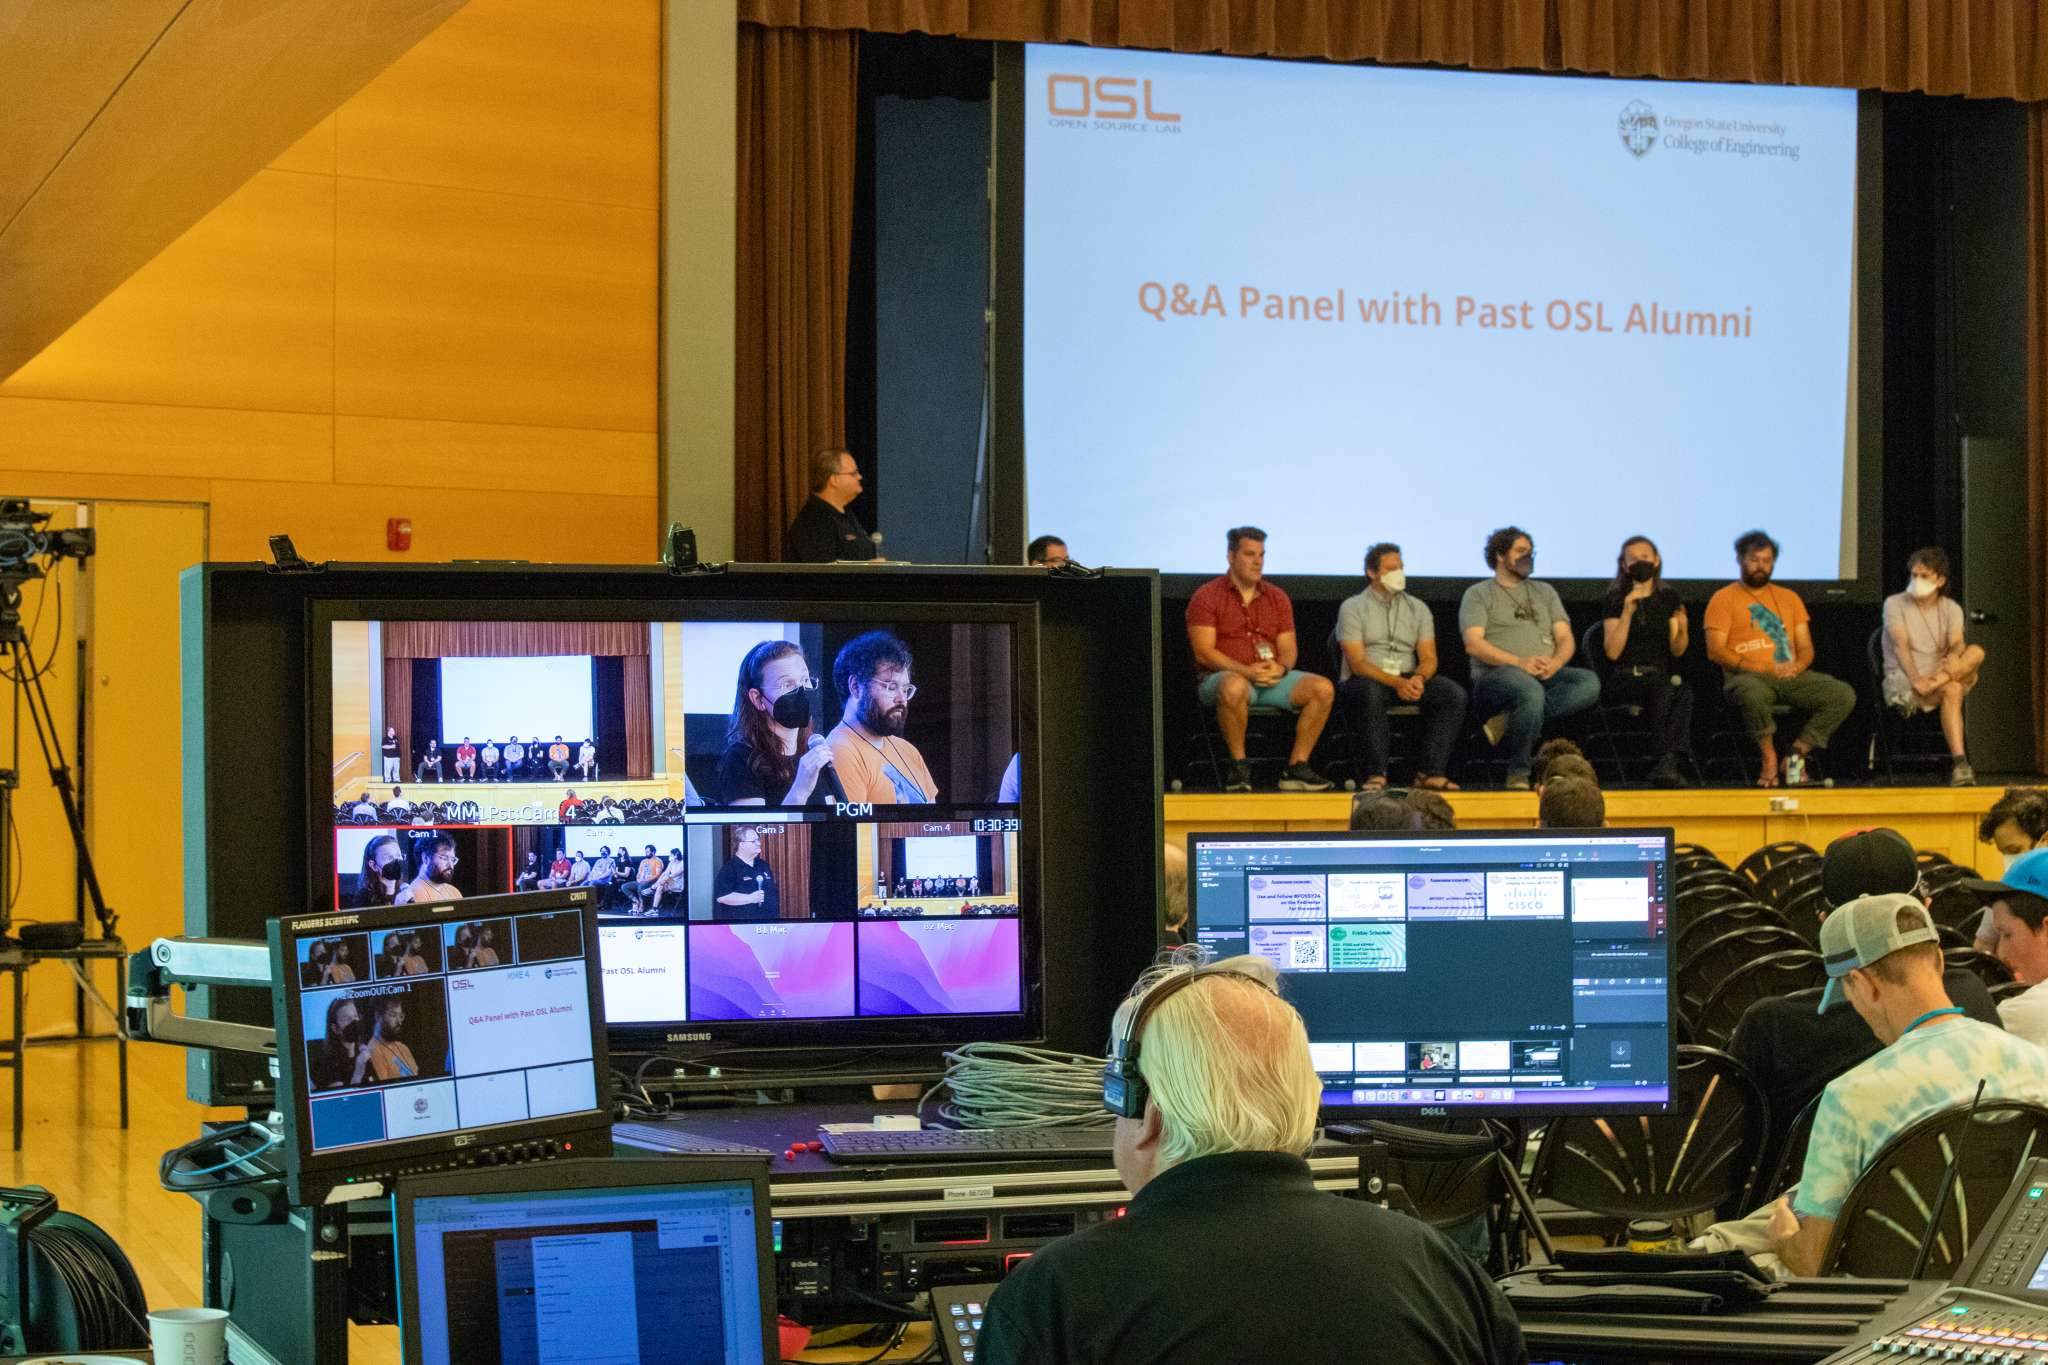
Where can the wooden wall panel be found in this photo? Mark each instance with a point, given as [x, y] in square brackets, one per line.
[479, 307]
[351, 701]
[561, 460]
[59, 435]
[237, 313]
[312, 154]
[523, 97]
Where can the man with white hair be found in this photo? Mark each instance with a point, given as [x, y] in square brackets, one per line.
[1229, 1253]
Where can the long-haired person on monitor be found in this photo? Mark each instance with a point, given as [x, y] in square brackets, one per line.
[382, 873]
[769, 758]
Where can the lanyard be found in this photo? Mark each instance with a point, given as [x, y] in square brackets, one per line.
[1931, 1014]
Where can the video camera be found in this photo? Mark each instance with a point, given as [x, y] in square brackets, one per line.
[24, 540]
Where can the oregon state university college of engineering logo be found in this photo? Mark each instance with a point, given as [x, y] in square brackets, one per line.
[1638, 128]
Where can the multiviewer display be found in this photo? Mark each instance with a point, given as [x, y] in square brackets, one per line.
[1511, 972]
[781, 820]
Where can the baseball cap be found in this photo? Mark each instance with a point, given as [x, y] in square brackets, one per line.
[1868, 862]
[2028, 873]
[1866, 929]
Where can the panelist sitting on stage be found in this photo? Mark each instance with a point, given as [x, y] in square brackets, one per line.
[1759, 634]
[2018, 904]
[869, 754]
[1226, 1226]
[558, 759]
[490, 756]
[1884, 955]
[1046, 552]
[1927, 664]
[745, 888]
[1793, 1052]
[586, 761]
[1388, 640]
[435, 879]
[515, 760]
[1241, 629]
[650, 870]
[1518, 640]
[465, 761]
[824, 530]
[768, 747]
[427, 768]
[1645, 634]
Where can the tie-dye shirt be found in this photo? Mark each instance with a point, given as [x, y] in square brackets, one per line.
[1935, 1067]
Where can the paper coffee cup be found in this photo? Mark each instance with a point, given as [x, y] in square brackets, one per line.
[189, 1336]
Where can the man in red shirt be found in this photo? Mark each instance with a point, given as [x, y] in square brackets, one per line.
[465, 761]
[1241, 629]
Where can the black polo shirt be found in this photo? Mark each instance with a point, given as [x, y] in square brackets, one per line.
[1238, 1258]
[736, 876]
[822, 533]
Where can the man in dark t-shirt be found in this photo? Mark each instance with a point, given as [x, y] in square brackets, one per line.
[1228, 1252]
[824, 530]
[744, 888]
[1794, 1052]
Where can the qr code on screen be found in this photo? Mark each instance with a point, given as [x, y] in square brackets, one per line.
[1304, 952]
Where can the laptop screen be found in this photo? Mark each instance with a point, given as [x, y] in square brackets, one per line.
[624, 1274]
[1512, 972]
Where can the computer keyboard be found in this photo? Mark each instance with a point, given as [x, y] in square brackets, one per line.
[956, 1320]
[660, 1137]
[969, 1144]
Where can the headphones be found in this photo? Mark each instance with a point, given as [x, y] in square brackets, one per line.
[1124, 1091]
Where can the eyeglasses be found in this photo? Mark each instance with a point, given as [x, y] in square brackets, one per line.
[893, 688]
[805, 685]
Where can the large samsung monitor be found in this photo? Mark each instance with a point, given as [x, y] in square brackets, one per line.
[806, 824]
[656, 1262]
[437, 1034]
[1517, 973]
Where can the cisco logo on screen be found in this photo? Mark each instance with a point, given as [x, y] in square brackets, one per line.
[1114, 103]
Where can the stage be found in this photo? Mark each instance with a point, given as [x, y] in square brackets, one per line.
[518, 802]
[1731, 821]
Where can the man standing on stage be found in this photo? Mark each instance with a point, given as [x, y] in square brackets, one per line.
[824, 531]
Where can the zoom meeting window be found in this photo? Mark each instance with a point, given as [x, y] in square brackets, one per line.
[782, 819]
[433, 1027]
[1503, 972]
[599, 1275]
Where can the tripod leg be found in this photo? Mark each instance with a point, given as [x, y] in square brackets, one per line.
[47, 739]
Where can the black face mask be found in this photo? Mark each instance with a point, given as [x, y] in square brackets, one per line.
[792, 709]
[392, 870]
[357, 1032]
[1642, 571]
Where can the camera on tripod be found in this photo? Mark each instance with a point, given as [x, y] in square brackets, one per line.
[25, 539]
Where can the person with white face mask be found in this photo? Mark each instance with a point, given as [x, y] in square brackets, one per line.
[1387, 638]
[1927, 664]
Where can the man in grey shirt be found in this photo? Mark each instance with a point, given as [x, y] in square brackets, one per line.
[1519, 641]
[1386, 641]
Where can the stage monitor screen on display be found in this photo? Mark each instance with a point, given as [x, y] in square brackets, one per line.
[1479, 973]
[411, 1036]
[1590, 307]
[800, 829]
[655, 1262]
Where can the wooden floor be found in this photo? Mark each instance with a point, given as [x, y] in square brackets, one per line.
[74, 1147]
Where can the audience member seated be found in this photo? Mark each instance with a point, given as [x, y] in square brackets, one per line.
[1562, 766]
[1759, 633]
[1388, 640]
[824, 530]
[1173, 904]
[2018, 903]
[1570, 803]
[1883, 954]
[427, 768]
[1226, 1228]
[1046, 552]
[1646, 633]
[558, 760]
[1927, 664]
[1241, 629]
[607, 813]
[1794, 1052]
[1518, 640]
[364, 809]
[397, 807]
[870, 756]
[465, 761]
[1436, 811]
[768, 749]
[1551, 749]
[2016, 823]
[586, 761]
[571, 803]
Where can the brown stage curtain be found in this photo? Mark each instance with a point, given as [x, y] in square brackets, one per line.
[397, 715]
[511, 639]
[796, 153]
[998, 865]
[1944, 47]
[2036, 563]
[787, 851]
[982, 713]
[639, 718]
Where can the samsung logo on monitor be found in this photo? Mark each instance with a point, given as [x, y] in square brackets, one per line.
[689, 1037]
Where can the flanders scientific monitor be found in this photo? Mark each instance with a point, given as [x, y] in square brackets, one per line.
[438, 1034]
[1512, 973]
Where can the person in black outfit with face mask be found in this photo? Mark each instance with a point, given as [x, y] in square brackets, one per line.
[1646, 633]
[769, 759]
[383, 872]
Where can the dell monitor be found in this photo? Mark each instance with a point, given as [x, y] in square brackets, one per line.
[438, 1034]
[653, 1262]
[1506, 973]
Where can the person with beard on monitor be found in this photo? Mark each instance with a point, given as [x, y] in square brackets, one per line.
[872, 759]
[744, 888]
[768, 749]
[435, 880]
